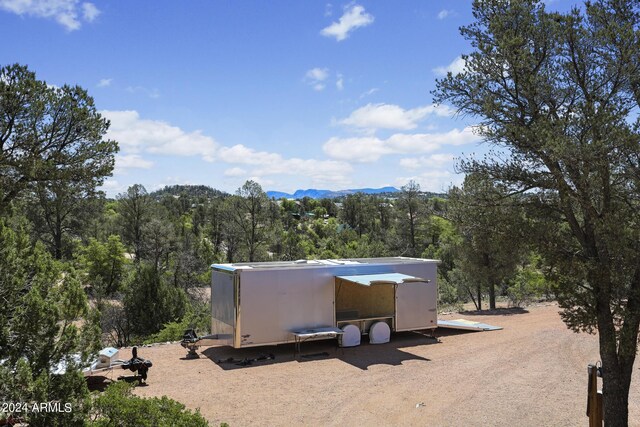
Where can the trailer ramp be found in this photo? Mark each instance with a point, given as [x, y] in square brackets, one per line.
[467, 325]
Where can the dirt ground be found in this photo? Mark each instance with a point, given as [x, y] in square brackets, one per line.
[531, 373]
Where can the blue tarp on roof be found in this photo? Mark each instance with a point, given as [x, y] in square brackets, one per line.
[381, 279]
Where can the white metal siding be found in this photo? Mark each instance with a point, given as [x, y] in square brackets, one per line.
[417, 303]
[416, 308]
[273, 303]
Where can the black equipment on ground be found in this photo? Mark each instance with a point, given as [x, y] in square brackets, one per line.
[137, 364]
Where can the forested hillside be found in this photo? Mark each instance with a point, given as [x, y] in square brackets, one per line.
[551, 211]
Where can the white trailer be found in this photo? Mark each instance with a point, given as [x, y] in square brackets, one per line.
[266, 303]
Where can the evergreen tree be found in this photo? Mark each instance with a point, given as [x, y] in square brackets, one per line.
[49, 135]
[558, 93]
[38, 330]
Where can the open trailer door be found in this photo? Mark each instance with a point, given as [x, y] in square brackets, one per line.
[415, 298]
[416, 305]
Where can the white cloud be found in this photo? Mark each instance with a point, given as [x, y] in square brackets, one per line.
[105, 82]
[151, 93]
[64, 12]
[172, 180]
[235, 172]
[136, 135]
[456, 67]
[444, 13]
[370, 149]
[264, 182]
[389, 116]
[90, 12]
[433, 161]
[317, 170]
[365, 149]
[316, 77]
[317, 74]
[354, 17]
[266, 163]
[110, 183]
[434, 180]
[112, 186]
[131, 161]
[328, 9]
[415, 143]
[453, 137]
[248, 156]
[339, 82]
[369, 92]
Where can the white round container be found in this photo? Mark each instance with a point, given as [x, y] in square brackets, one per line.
[379, 333]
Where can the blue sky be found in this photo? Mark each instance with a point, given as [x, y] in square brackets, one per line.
[292, 94]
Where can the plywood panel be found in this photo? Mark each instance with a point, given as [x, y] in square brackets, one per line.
[364, 301]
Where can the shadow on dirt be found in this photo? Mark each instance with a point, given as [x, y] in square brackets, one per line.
[497, 312]
[448, 332]
[362, 356]
[390, 353]
[100, 384]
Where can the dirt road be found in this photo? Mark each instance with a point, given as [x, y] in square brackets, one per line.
[532, 373]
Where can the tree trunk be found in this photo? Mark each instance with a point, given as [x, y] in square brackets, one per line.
[492, 296]
[486, 258]
[57, 238]
[472, 297]
[412, 230]
[617, 351]
[616, 379]
[57, 243]
[479, 290]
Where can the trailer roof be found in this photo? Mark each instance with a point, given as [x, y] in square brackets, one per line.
[318, 263]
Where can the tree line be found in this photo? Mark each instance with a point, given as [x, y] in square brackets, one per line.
[144, 258]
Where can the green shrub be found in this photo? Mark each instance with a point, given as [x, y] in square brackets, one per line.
[117, 406]
[198, 318]
[151, 300]
[529, 284]
[448, 298]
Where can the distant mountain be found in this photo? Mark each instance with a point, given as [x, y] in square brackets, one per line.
[320, 194]
[278, 195]
[313, 193]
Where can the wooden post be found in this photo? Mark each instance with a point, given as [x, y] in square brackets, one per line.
[594, 398]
